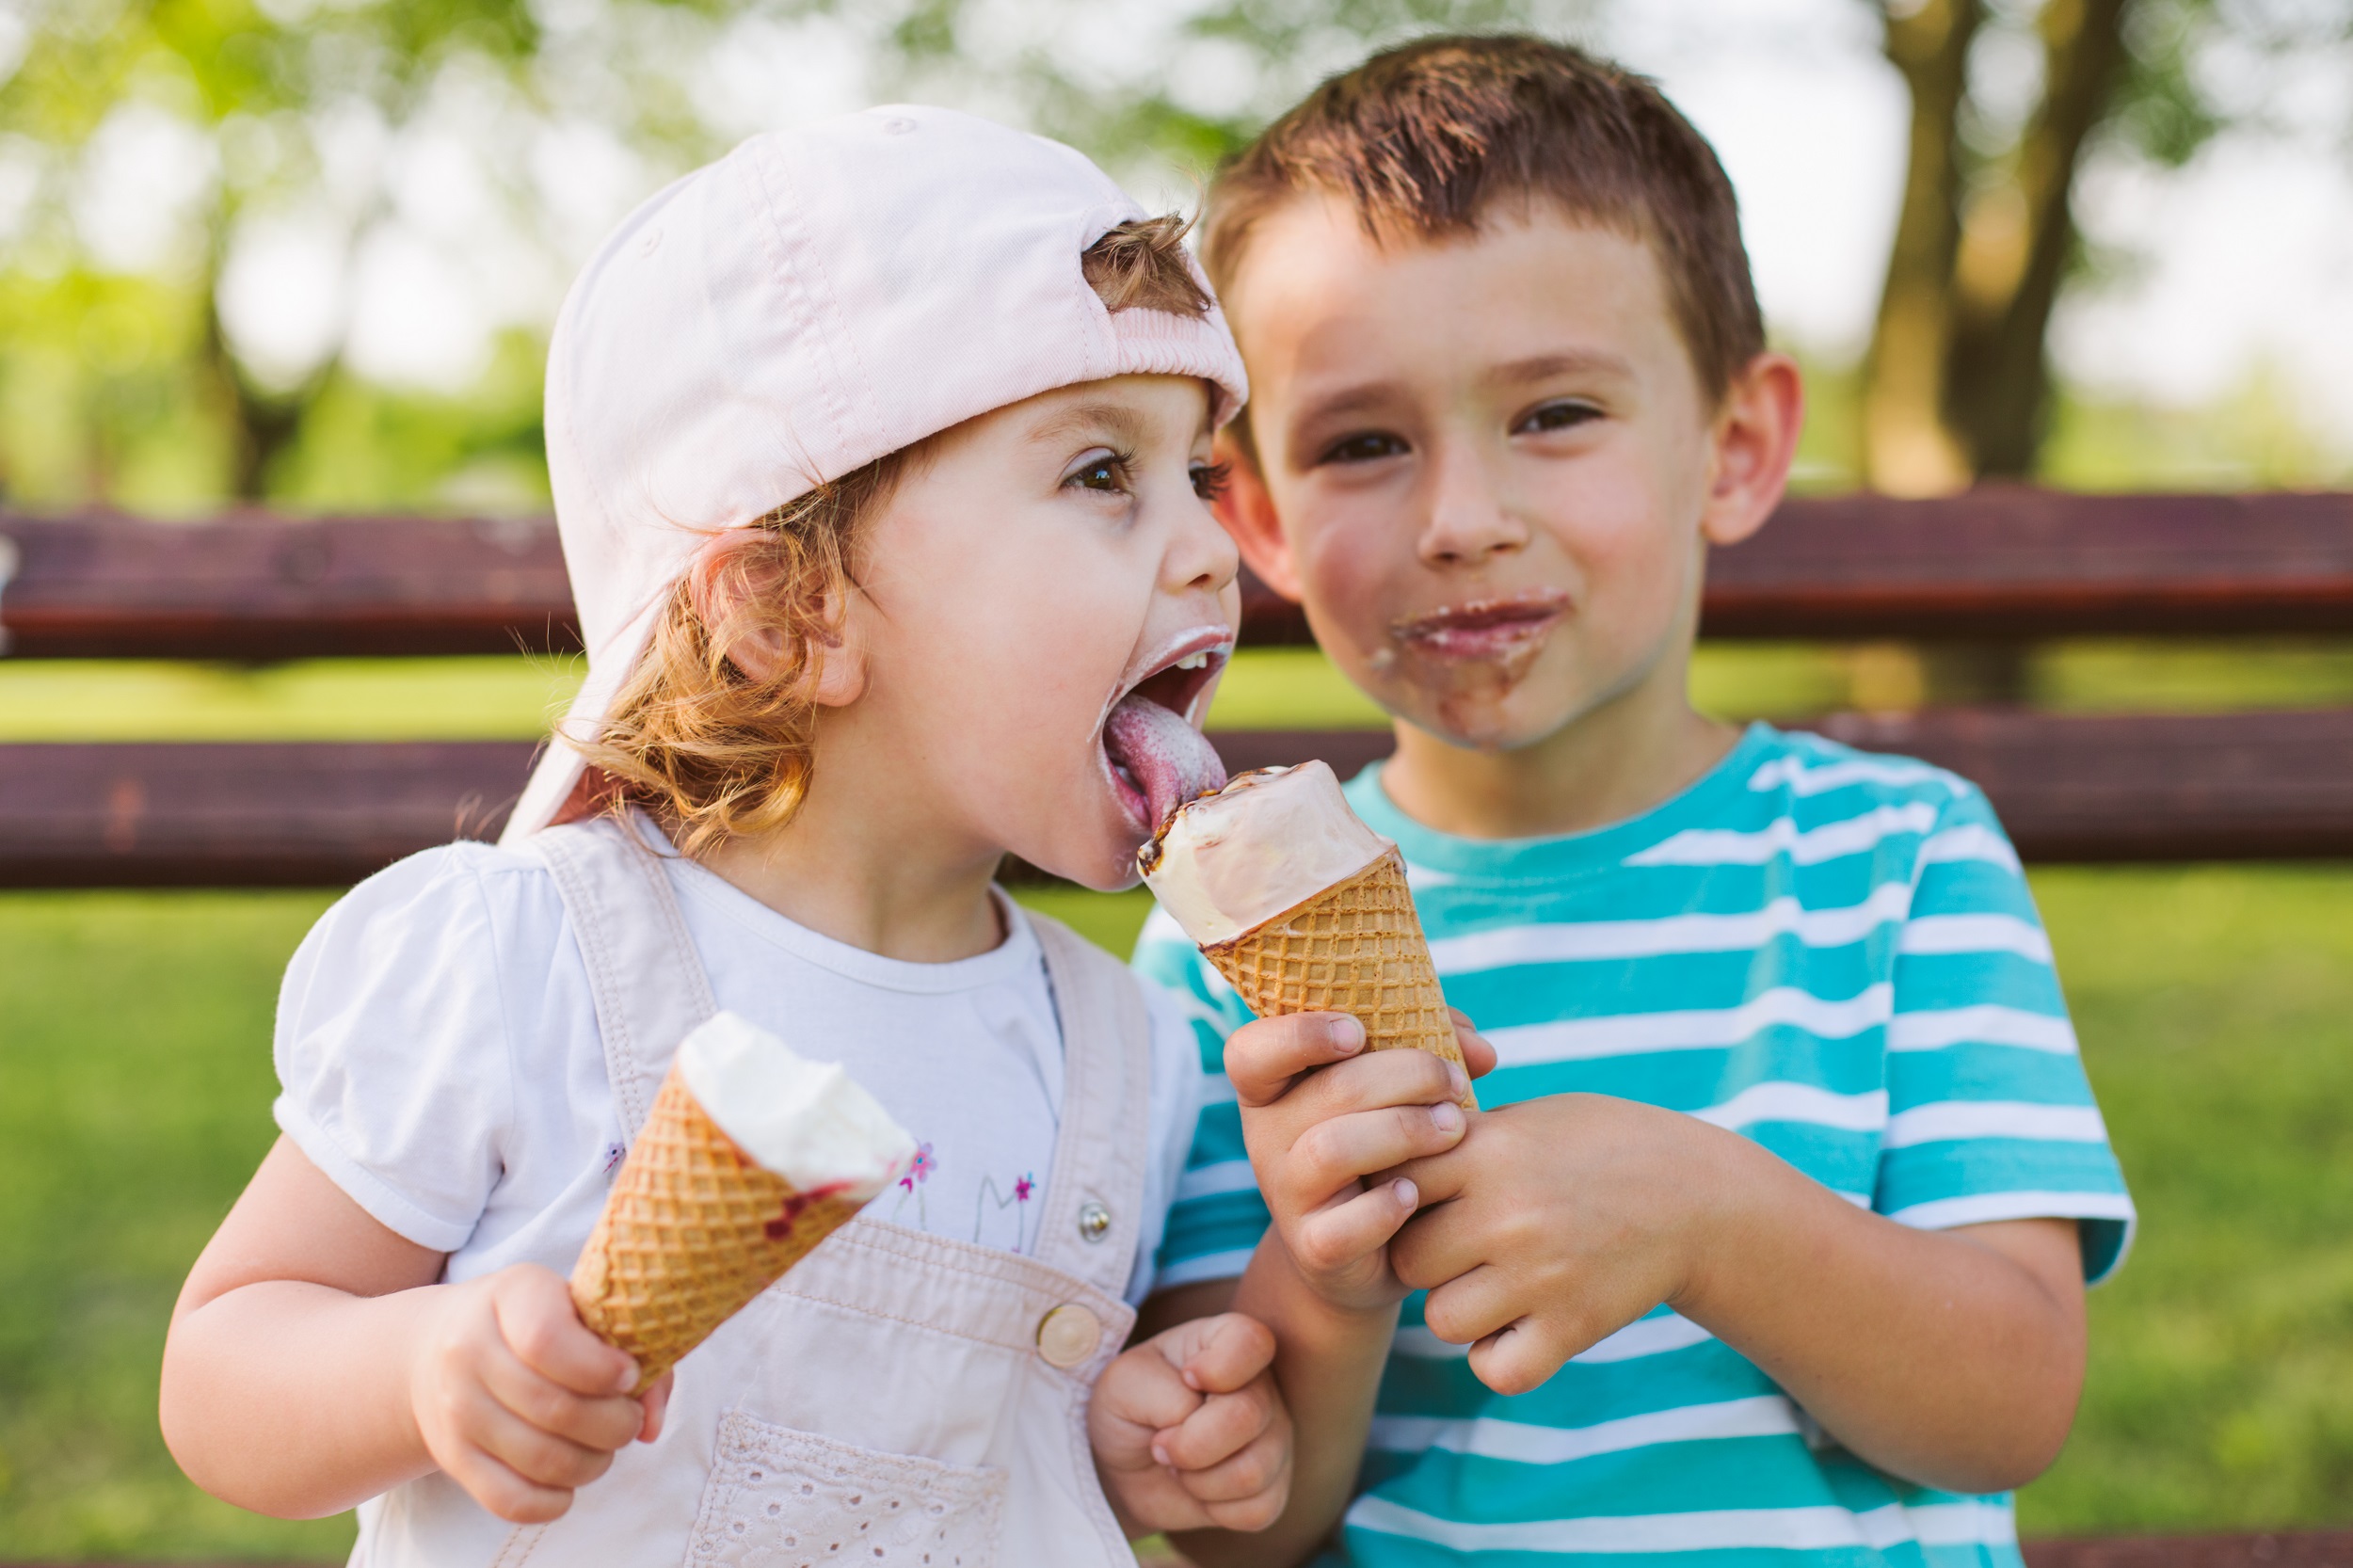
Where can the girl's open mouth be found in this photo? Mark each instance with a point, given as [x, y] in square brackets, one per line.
[1483, 628]
[1156, 757]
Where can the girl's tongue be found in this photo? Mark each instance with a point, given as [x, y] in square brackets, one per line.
[1170, 760]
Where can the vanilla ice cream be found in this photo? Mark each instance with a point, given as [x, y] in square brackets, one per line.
[1267, 843]
[807, 1122]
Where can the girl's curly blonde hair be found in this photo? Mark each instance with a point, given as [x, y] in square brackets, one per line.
[718, 751]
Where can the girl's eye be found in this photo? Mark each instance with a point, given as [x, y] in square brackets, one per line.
[1105, 474]
[1366, 447]
[1556, 416]
[1208, 479]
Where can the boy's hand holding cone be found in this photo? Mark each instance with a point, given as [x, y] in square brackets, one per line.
[751, 1157]
[1302, 907]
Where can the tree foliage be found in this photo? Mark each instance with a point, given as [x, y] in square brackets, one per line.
[2009, 101]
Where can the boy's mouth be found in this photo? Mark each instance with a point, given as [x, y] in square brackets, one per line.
[1483, 628]
[1154, 756]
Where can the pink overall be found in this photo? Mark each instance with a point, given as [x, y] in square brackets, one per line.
[899, 1400]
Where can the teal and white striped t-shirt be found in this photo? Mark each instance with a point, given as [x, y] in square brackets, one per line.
[1831, 953]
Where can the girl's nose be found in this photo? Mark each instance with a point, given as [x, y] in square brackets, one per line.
[1202, 555]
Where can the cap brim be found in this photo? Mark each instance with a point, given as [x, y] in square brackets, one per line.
[560, 766]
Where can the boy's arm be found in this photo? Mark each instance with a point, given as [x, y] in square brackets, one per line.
[1953, 1358]
[1933, 1325]
[313, 1363]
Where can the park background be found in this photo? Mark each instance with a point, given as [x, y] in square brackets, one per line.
[304, 254]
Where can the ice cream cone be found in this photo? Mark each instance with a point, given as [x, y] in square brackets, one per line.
[691, 1230]
[1356, 947]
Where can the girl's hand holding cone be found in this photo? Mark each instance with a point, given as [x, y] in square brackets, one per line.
[517, 1401]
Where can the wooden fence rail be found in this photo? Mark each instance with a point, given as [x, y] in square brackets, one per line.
[2013, 563]
[2069, 788]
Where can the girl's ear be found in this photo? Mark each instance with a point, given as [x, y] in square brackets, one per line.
[1248, 514]
[841, 653]
[722, 577]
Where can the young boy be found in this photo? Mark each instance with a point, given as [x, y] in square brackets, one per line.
[1773, 1232]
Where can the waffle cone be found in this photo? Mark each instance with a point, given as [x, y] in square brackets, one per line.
[1354, 947]
[691, 1230]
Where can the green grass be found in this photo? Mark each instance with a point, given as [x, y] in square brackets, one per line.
[135, 1055]
[2216, 1007]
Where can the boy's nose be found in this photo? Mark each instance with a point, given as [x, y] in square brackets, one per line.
[1467, 521]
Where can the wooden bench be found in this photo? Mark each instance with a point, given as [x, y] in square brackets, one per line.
[2014, 565]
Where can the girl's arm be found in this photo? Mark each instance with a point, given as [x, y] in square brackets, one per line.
[313, 1363]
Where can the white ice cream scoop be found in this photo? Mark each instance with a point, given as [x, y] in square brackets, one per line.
[1269, 841]
[807, 1120]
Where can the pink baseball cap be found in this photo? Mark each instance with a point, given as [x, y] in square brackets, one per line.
[814, 301]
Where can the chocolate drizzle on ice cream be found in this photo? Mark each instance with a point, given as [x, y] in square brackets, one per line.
[1270, 840]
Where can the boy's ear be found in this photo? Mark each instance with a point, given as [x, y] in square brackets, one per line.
[719, 582]
[1756, 438]
[1248, 514]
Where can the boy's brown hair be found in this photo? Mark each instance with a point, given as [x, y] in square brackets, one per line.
[1423, 139]
[720, 752]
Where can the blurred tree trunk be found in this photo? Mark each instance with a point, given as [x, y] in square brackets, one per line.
[1906, 448]
[2017, 239]
[1955, 384]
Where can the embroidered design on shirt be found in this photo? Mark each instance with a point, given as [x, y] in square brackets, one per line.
[613, 1155]
[1024, 1188]
[911, 1185]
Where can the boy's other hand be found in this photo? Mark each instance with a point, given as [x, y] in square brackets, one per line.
[1321, 1116]
[516, 1401]
[1554, 1223]
[1188, 1431]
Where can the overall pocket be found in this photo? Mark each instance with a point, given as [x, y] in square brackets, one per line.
[781, 1499]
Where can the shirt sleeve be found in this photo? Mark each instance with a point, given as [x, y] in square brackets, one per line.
[1217, 1218]
[392, 1047]
[1990, 1114]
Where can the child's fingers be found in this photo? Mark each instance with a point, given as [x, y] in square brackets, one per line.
[1477, 1055]
[657, 1404]
[1226, 1353]
[1138, 1394]
[1263, 1058]
[1332, 1239]
[1467, 1309]
[503, 1491]
[538, 1456]
[601, 1422]
[1519, 1357]
[1262, 1467]
[1333, 1154]
[537, 1319]
[1224, 1426]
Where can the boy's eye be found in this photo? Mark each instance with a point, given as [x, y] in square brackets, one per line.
[1366, 447]
[1208, 479]
[1556, 416]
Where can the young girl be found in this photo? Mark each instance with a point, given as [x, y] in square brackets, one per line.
[880, 451]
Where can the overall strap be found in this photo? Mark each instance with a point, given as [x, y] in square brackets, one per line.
[1094, 1209]
[647, 977]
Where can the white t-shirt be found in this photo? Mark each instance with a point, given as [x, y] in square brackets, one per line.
[438, 1051]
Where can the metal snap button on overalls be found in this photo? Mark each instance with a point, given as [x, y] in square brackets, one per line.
[1094, 1221]
[1068, 1335]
